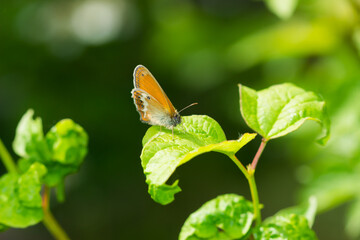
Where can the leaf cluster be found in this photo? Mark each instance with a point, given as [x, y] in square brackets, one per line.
[271, 113]
[44, 160]
[230, 216]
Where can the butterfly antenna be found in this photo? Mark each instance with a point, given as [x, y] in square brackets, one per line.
[188, 107]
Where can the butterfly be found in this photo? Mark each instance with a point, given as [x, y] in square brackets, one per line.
[151, 102]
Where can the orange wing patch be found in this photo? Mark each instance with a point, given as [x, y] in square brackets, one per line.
[144, 80]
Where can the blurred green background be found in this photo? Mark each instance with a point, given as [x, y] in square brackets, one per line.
[75, 59]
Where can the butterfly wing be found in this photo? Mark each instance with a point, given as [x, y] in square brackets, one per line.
[141, 104]
[145, 81]
[151, 111]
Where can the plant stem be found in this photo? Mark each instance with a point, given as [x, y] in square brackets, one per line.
[255, 197]
[49, 221]
[53, 226]
[252, 183]
[249, 174]
[258, 153]
[240, 166]
[46, 197]
[7, 159]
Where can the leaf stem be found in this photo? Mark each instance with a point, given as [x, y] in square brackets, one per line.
[49, 221]
[7, 159]
[240, 166]
[250, 176]
[252, 183]
[258, 153]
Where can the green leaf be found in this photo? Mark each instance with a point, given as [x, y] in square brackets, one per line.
[20, 199]
[282, 8]
[162, 153]
[29, 139]
[29, 185]
[308, 210]
[66, 145]
[297, 38]
[67, 142]
[332, 189]
[228, 216]
[281, 109]
[283, 227]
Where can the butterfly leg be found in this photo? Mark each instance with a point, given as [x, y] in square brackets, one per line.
[172, 129]
[182, 127]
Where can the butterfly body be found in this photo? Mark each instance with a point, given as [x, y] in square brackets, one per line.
[151, 102]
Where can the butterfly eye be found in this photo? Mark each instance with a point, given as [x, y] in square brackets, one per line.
[148, 97]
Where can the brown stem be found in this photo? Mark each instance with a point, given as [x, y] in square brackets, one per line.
[49, 221]
[258, 153]
[46, 198]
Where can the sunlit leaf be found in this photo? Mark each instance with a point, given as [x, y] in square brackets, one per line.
[284, 227]
[61, 151]
[294, 38]
[67, 142]
[282, 8]
[281, 109]
[307, 210]
[228, 216]
[162, 153]
[20, 199]
[332, 189]
[29, 139]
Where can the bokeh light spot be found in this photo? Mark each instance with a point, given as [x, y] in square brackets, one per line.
[97, 22]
